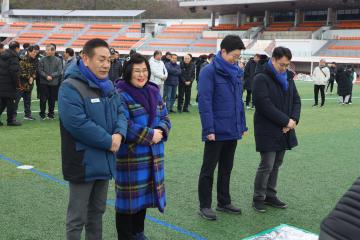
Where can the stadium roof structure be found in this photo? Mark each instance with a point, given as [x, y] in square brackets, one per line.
[73, 13]
[258, 6]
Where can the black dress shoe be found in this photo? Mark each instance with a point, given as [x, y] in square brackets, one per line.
[228, 209]
[207, 213]
[14, 124]
[275, 202]
[186, 110]
[259, 206]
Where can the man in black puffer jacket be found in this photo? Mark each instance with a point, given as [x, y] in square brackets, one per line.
[9, 78]
[277, 113]
[343, 223]
[187, 77]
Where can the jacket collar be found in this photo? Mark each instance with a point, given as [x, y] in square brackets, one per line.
[74, 72]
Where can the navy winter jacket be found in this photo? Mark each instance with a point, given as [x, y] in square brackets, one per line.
[220, 103]
[87, 125]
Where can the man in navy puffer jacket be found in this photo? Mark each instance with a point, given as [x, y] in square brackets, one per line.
[92, 126]
[223, 123]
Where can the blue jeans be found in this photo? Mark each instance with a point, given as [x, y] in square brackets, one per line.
[169, 95]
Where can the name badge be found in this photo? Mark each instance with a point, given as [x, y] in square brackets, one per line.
[95, 100]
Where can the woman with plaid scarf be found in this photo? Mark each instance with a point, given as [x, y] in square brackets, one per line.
[140, 160]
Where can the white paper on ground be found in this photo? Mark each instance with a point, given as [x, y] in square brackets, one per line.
[25, 167]
[284, 232]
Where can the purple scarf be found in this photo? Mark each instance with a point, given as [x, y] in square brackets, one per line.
[147, 97]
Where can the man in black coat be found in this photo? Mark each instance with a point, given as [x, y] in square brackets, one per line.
[116, 67]
[332, 68]
[9, 79]
[277, 113]
[187, 77]
[248, 78]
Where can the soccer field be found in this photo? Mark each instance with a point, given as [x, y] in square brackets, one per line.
[312, 179]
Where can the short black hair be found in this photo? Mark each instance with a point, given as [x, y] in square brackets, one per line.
[92, 44]
[231, 43]
[31, 48]
[70, 51]
[136, 58]
[1, 46]
[54, 45]
[51, 47]
[173, 54]
[37, 47]
[167, 53]
[26, 45]
[13, 45]
[157, 52]
[280, 52]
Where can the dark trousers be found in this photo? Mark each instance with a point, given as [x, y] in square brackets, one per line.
[128, 225]
[215, 152]
[320, 88]
[267, 175]
[331, 85]
[87, 204]
[9, 104]
[27, 102]
[48, 94]
[184, 91]
[248, 98]
[350, 99]
[170, 95]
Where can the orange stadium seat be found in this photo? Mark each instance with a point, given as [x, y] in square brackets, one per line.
[311, 24]
[61, 36]
[130, 39]
[336, 47]
[189, 25]
[19, 24]
[204, 45]
[312, 29]
[176, 37]
[56, 41]
[32, 35]
[106, 26]
[348, 38]
[348, 25]
[122, 44]
[72, 27]
[88, 37]
[27, 40]
[79, 43]
[169, 44]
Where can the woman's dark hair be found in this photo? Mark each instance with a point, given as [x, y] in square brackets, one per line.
[280, 52]
[231, 43]
[136, 58]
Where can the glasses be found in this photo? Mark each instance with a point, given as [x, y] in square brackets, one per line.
[140, 71]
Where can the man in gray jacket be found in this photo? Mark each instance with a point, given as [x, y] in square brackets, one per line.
[50, 70]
